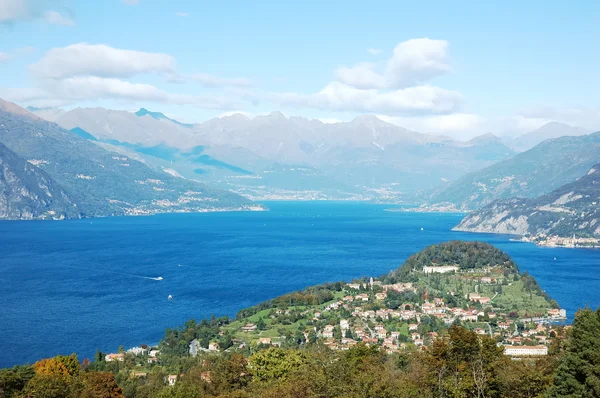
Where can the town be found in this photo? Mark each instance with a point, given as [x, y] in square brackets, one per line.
[493, 300]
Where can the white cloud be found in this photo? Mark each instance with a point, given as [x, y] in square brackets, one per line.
[74, 90]
[90, 87]
[88, 72]
[456, 125]
[84, 59]
[374, 51]
[409, 101]
[413, 62]
[4, 57]
[182, 14]
[15, 10]
[56, 18]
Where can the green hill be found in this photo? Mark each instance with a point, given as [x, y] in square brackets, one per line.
[529, 174]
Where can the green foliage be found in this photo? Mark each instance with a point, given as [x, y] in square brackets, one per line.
[466, 255]
[100, 385]
[313, 295]
[275, 363]
[13, 380]
[579, 371]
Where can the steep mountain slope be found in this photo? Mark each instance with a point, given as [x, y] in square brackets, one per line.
[546, 132]
[104, 182]
[28, 193]
[529, 174]
[570, 211]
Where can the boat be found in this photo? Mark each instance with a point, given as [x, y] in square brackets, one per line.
[170, 297]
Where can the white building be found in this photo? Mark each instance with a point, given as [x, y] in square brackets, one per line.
[524, 350]
[440, 269]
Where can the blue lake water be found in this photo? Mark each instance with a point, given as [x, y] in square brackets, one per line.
[78, 286]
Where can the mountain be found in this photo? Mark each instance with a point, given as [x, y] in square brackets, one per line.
[159, 116]
[570, 211]
[278, 157]
[537, 171]
[28, 193]
[548, 131]
[103, 182]
[50, 114]
[145, 129]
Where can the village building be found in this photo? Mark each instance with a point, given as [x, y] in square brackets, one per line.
[526, 350]
[328, 332]
[115, 357]
[439, 269]
[172, 379]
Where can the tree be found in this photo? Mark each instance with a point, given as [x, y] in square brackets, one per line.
[13, 380]
[50, 366]
[98, 357]
[261, 325]
[275, 363]
[100, 385]
[578, 374]
[50, 386]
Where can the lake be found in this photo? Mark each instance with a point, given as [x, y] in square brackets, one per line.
[82, 285]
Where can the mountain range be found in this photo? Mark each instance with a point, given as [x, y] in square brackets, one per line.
[43, 158]
[273, 155]
[570, 211]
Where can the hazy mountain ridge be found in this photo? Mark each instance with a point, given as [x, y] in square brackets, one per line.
[570, 211]
[104, 182]
[361, 157]
[546, 132]
[537, 171]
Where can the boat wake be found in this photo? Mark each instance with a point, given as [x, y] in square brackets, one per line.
[160, 278]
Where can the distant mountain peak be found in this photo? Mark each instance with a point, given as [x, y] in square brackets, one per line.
[277, 114]
[548, 131]
[159, 116]
[156, 115]
[235, 116]
[484, 138]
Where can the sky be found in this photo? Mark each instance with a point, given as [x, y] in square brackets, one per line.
[459, 68]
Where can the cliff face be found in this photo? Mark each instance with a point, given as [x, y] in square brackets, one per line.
[569, 211]
[28, 193]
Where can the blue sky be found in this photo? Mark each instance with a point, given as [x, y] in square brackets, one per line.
[460, 68]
